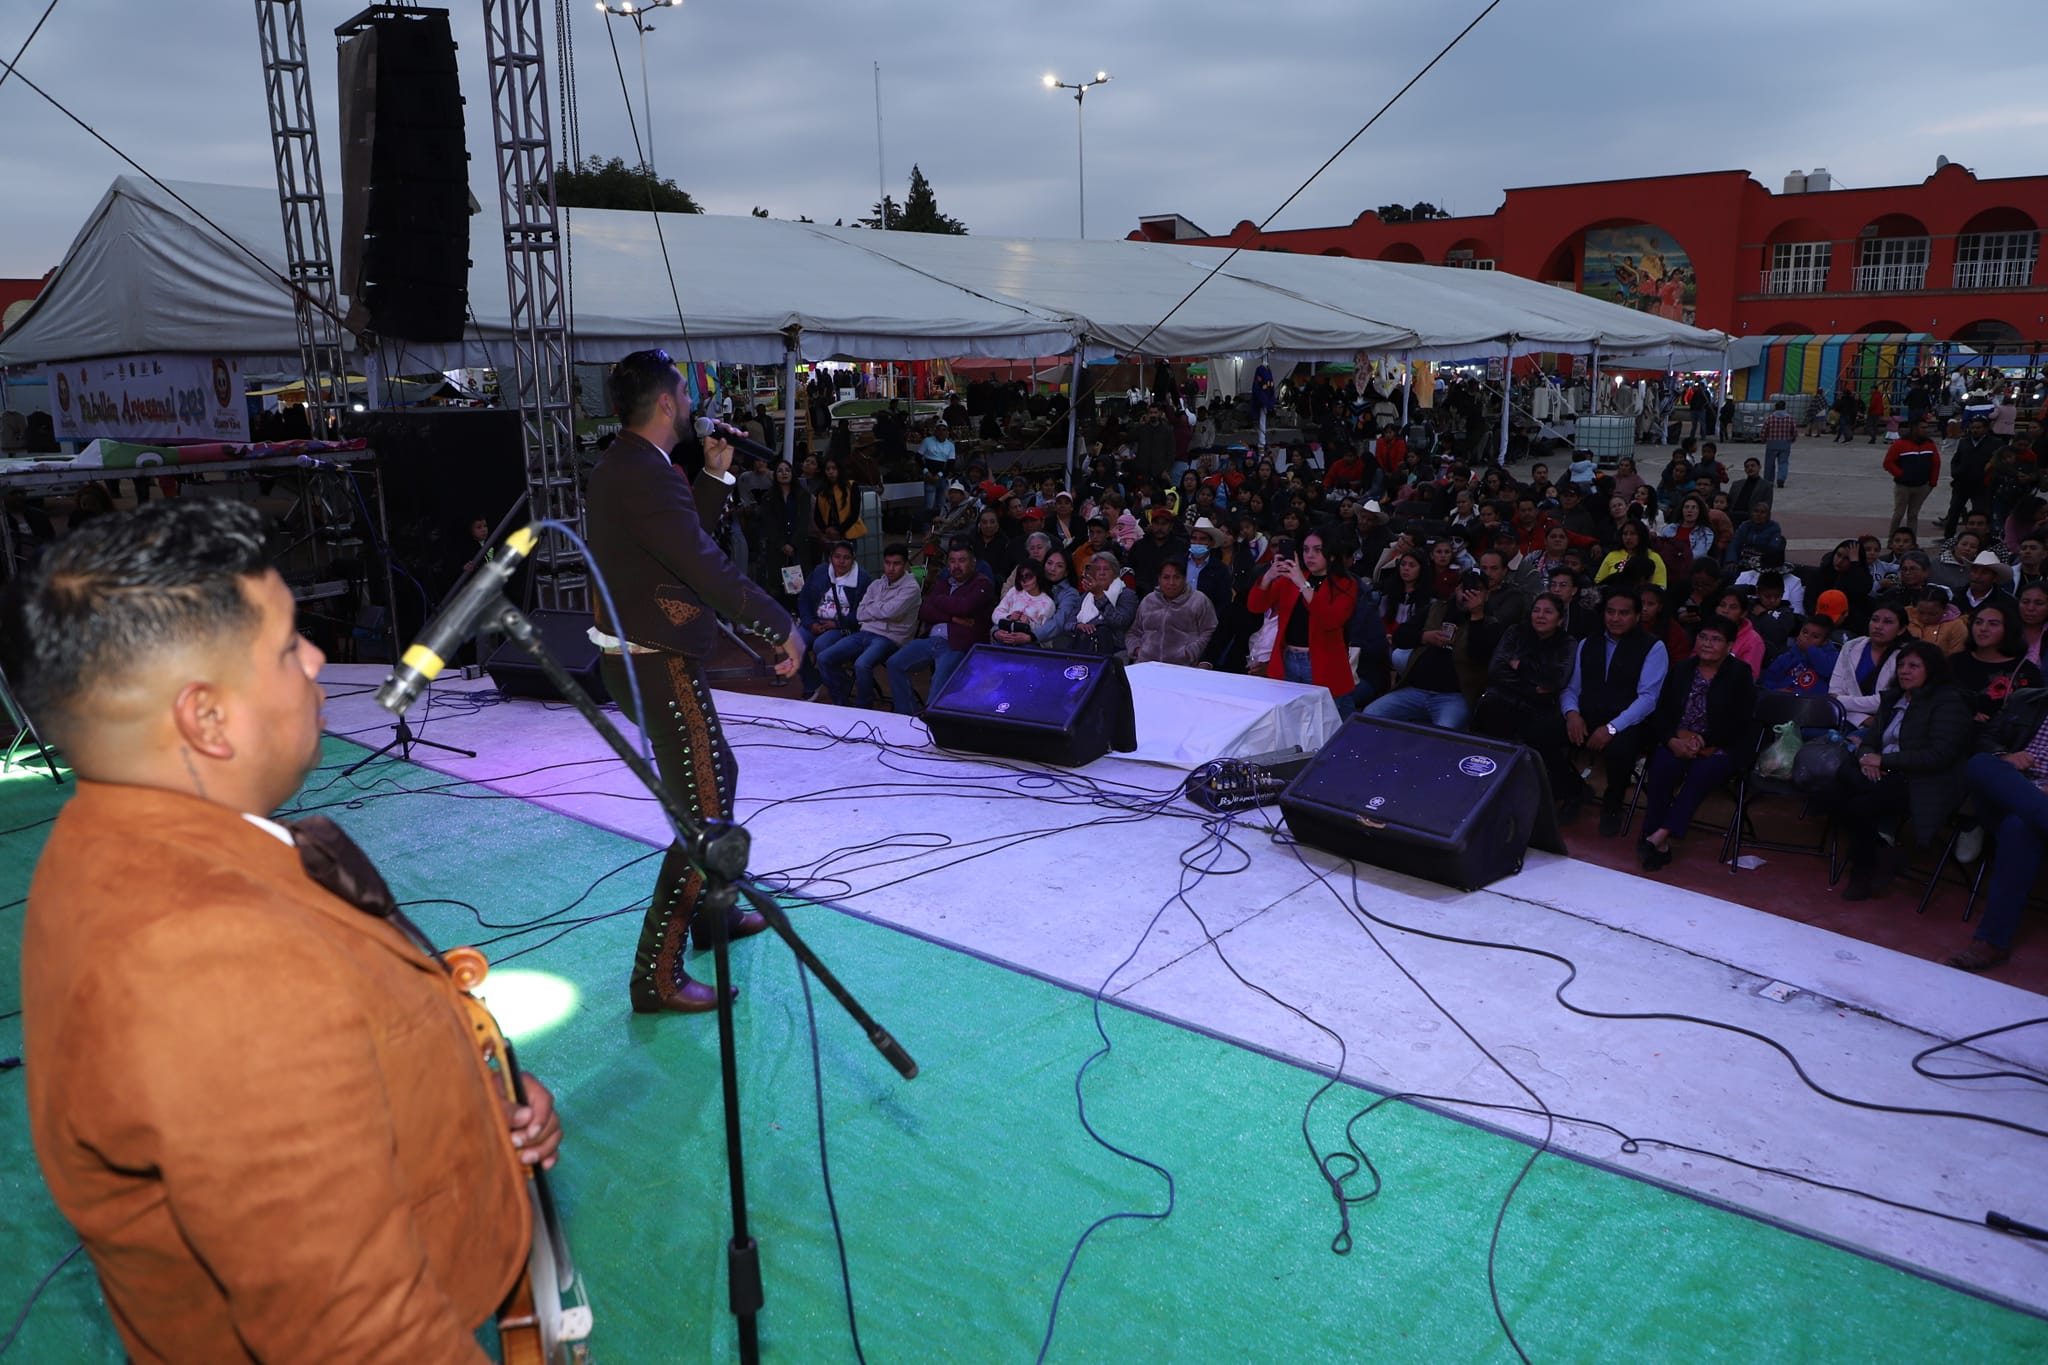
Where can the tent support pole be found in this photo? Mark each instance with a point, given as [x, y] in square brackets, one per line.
[1407, 384]
[1507, 402]
[789, 395]
[1593, 397]
[1074, 408]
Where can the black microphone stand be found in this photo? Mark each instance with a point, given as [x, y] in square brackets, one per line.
[404, 741]
[718, 849]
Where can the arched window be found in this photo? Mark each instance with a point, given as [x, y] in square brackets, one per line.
[1997, 249]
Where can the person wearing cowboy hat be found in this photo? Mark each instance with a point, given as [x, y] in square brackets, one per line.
[958, 515]
[1207, 567]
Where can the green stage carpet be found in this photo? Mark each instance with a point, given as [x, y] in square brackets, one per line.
[963, 1191]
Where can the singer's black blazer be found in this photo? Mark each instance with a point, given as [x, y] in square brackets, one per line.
[667, 575]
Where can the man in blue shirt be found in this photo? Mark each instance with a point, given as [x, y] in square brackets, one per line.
[1616, 677]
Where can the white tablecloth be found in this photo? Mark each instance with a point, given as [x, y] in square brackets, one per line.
[1187, 716]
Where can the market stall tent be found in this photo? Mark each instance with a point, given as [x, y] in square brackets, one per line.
[1767, 366]
[157, 271]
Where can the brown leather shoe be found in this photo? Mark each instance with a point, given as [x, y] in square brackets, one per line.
[659, 984]
[686, 996]
[1980, 956]
[744, 925]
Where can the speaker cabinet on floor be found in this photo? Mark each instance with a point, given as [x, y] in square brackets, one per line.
[567, 636]
[1436, 804]
[404, 241]
[1035, 704]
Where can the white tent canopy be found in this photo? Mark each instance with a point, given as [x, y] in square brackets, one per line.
[147, 274]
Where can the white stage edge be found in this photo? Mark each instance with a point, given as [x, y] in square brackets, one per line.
[1074, 902]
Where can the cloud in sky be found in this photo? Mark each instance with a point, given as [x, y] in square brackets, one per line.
[1216, 111]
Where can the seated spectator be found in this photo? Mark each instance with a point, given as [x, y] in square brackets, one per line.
[1993, 668]
[826, 610]
[1098, 540]
[1607, 704]
[1658, 624]
[1582, 602]
[1843, 571]
[1908, 770]
[1450, 652]
[1807, 664]
[1704, 582]
[1633, 559]
[1174, 623]
[1864, 670]
[884, 619]
[1775, 619]
[957, 515]
[1036, 545]
[1700, 732]
[1759, 541]
[1916, 573]
[2033, 621]
[956, 610]
[2009, 787]
[1404, 599]
[1108, 606]
[1058, 577]
[1024, 610]
[1930, 617]
[1312, 599]
[1990, 580]
[1528, 671]
[1744, 643]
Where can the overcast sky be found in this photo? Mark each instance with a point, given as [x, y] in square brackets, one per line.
[1216, 111]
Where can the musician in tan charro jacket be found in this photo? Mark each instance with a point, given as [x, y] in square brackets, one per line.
[260, 1105]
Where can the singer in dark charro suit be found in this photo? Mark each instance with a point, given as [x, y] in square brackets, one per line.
[650, 531]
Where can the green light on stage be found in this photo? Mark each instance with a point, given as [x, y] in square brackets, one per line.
[528, 1003]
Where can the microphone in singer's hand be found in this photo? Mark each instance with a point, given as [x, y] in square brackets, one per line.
[708, 430]
[428, 655]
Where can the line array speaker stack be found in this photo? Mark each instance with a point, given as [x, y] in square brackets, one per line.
[405, 176]
[1041, 705]
[1437, 804]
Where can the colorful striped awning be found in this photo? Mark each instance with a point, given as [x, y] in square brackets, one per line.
[1821, 364]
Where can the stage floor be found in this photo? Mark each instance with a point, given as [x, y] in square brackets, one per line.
[1032, 870]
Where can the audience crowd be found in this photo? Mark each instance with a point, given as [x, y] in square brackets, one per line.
[1630, 626]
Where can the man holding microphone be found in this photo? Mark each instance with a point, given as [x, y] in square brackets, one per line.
[650, 531]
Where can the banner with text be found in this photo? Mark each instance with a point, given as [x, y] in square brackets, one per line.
[149, 398]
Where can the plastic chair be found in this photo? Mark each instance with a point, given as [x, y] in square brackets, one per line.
[1772, 710]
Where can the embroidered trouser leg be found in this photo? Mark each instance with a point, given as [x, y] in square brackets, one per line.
[698, 770]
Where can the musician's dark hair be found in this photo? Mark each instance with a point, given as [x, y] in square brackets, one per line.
[96, 605]
[638, 382]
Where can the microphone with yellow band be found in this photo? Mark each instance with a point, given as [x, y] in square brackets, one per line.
[457, 621]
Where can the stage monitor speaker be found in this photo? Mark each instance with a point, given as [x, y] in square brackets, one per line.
[1036, 704]
[404, 242]
[567, 636]
[1437, 804]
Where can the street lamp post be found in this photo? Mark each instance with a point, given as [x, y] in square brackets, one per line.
[1080, 90]
[638, 11]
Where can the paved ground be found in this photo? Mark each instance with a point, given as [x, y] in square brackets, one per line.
[1836, 491]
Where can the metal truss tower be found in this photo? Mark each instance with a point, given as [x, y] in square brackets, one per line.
[302, 202]
[539, 303]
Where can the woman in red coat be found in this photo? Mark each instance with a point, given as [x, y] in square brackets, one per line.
[1313, 599]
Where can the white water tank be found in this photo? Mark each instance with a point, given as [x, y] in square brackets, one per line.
[1818, 181]
[1795, 182]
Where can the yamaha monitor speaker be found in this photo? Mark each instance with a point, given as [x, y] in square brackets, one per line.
[1436, 804]
[404, 241]
[567, 636]
[1037, 704]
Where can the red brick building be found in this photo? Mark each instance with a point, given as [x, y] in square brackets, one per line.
[1953, 256]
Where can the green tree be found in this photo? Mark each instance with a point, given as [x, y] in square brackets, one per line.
[1418, 212]
[919, 211]
[595, 183]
